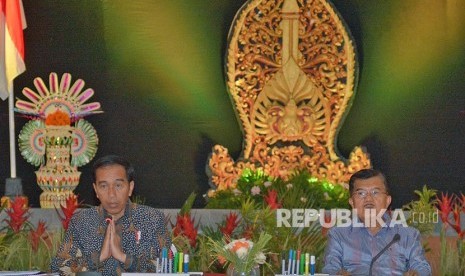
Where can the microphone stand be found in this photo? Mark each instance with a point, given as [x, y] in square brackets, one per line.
[395, 239]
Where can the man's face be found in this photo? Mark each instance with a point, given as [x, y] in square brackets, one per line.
[113, 189]
[369, 194]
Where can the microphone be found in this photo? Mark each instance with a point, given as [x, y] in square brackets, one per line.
[108, 219]
[395, 239]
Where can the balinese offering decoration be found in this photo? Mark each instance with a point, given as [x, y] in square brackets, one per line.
[57, 138]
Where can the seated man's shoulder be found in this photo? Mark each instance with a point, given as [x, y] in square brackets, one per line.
[408, 231]
[86, 213]
[340, 231]
[86, 217]
[147, 211]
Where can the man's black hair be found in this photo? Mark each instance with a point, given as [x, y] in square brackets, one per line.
[365, 174]
[109, 160]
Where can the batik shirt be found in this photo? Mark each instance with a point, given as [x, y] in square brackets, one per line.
[353, 248]
[143, 234]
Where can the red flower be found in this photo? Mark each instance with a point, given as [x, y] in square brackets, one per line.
[36, 235]
[456, 226]
[272, 199]
[185, 227]
[232, 221]
[18, 214]
[445, 207]
[248, 232]
[461, 199]
[68, 210]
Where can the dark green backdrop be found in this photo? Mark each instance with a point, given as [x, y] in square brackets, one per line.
[157, 69]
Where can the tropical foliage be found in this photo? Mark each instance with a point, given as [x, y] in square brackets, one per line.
[452, 258]
[24, 246]
[423, 210]
[301, 190]
[246, 223]
[424, 213]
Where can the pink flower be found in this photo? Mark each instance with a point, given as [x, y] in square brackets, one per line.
[255, 190]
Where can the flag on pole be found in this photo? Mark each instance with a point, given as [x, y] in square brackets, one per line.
[12, 23]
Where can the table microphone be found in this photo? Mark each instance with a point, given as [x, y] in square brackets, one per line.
[108, 219]
[395, 239]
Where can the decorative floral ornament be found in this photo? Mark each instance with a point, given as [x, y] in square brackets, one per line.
[57, 138]
[61, 104]
[59, 96]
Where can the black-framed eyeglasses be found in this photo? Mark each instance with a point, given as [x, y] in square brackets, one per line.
[362, 194]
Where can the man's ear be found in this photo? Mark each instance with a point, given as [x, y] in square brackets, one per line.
[95, 190]
[351, 202]
[389, 199]
[131, 187]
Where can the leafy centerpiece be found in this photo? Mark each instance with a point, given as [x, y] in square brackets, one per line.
[243, 255]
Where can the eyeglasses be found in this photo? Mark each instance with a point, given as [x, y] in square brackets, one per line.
[362, 194]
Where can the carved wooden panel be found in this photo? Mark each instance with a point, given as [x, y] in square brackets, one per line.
[291, 70]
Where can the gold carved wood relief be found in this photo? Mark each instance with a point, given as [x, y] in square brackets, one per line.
[291, 68]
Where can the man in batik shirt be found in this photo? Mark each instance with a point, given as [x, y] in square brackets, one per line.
[116, 236]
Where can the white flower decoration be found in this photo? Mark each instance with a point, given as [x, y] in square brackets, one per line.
[260, 258]
[236, 192]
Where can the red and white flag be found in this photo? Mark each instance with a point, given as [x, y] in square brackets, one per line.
[12, 23]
